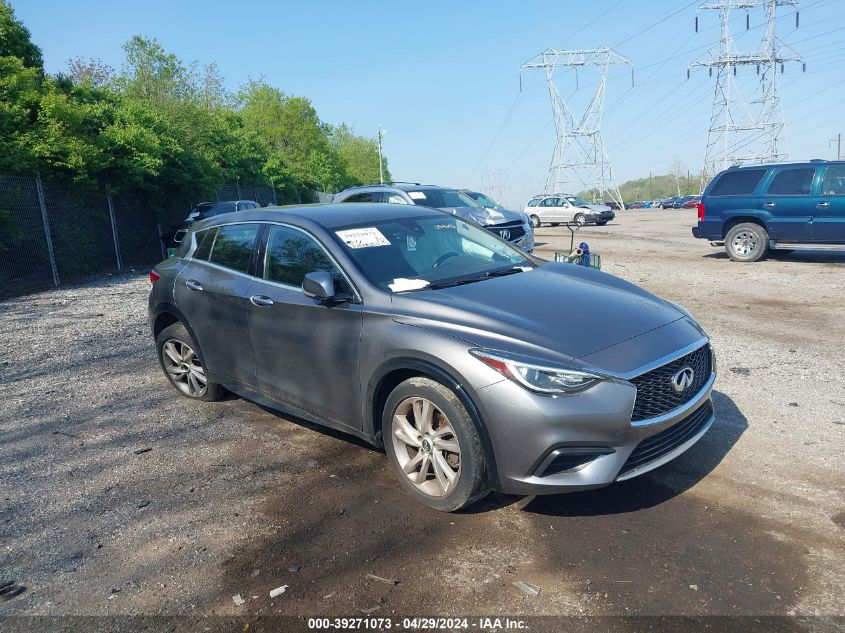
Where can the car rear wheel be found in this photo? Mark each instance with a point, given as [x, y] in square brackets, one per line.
[183, 366]
[535, 221]
[746, 242]
[580, 219]
[433, 445]
[601, 222]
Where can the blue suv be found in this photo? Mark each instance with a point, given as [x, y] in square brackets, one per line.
[755, 208]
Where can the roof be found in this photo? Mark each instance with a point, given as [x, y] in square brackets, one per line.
[329, 216]
[790, 163]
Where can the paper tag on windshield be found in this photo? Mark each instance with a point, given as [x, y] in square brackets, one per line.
[401, 284]
[416, 195]
[363, 238]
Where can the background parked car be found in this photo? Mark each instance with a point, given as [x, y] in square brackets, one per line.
[692, 203]
[512, 226]
[172, 237]
[558, 208]
[785, 206]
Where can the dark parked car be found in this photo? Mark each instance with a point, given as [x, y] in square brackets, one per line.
[512, 226]
[203, 210]
[785, 206]
[475, 365]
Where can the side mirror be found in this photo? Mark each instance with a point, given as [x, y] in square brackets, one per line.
[179, 236]
[318, 285]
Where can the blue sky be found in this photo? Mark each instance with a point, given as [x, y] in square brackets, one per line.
[443, 80]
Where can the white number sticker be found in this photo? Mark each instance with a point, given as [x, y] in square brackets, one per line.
[363, 238]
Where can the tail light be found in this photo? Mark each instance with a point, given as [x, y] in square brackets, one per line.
[154, 277]
[700, 206]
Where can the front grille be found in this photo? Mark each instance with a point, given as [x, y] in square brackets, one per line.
[666, 441]
[655, 394]
[515, 229]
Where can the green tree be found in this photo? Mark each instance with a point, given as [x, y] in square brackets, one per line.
[359, 153]
[20, 96]
[16, 41]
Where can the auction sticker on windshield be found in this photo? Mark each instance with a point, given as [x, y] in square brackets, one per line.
[416, 195]
[363, 238]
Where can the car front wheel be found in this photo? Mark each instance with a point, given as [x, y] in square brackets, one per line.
[746, 242]
[580, 219]
[181, 363]
[433, 445]
[535, 221]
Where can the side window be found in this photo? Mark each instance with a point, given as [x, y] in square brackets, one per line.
[370, 196]
[292, 254]
[395, 198]
[233, 246]
[792, 182]
[533, 203]
[741, 182]
[547, 202]
[834, 182]
[205, 239]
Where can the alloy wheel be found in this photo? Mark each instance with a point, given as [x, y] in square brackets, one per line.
[426, 446]
[744, 243]
[183, 366]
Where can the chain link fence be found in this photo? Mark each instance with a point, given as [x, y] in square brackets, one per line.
[51, 234]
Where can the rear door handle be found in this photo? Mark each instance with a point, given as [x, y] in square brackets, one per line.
[769, 205]
[193, 284]
[823, 205]
[261, 300]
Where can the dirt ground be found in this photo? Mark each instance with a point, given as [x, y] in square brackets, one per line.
[235, 499]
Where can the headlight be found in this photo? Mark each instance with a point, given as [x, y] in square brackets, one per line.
[538, 378]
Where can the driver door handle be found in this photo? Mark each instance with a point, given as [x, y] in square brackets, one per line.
[261, 300]
[823, 204]
[769, 205]
[193, 284]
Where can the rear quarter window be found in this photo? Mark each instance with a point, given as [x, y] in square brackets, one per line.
[740, 182]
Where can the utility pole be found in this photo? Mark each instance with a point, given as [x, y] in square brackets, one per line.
[838, 141]
[380, 159]
[745, 130]
[580, 156]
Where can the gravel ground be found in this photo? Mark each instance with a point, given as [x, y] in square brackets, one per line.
[120, 497]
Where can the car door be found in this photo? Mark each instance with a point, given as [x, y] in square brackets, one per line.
[211, 292]
[550, 210]
[789, 202]
[829, 212]
[306, 351]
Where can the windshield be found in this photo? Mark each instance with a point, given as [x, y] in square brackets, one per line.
[441, 198]
[578, 201]
[414, 253]
[484, 201]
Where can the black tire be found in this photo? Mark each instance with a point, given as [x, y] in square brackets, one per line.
[177, 334]
[580, 219]
[472, 483]
[746, 242]
[535, 221]
[601, 222]
[555, 223]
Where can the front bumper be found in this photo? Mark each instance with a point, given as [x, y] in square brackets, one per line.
[532, 433]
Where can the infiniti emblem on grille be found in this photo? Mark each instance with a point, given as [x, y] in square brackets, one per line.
[683, 379]
[505, 233]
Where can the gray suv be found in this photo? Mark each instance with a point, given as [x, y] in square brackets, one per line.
[473, 364]
[512, 226]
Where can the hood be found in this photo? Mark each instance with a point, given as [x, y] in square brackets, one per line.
[485, 216]
[598, 208]
[554, 312]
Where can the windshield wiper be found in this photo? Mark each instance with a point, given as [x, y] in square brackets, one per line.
[501, 272]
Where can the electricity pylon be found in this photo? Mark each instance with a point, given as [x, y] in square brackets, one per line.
[580, 157]
[743, 130]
